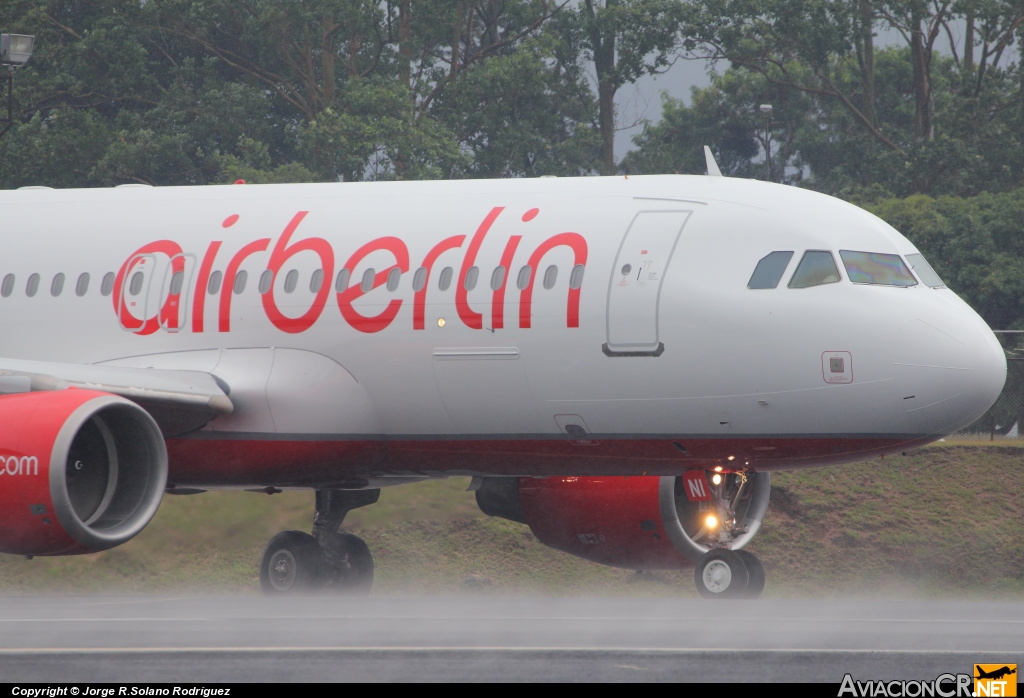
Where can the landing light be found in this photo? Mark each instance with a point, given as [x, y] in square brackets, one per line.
[711, 521]
[718, 468]
[716, 479]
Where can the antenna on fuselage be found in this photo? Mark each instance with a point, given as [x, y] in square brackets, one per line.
[713, 170]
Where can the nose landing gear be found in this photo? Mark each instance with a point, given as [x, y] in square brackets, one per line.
[726, 520]
[295, 562]
[729, 574]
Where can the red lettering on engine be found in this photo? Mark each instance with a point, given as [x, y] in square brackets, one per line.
[696, 486]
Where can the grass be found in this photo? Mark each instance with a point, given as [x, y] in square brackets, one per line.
[943, 521]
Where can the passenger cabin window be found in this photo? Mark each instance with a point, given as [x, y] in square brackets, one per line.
[291, 280]
[57, 285]
[240, 279]
[32, 286]
[366, 285]
[550, 277]
[523, 280]
[445, 279]
[769, 270]
[8, 286]
[213, 288]
[177, 281]
[394, 278]
[471, 276]
[817, 267]
[497, 278]
[134, 286]
[876, 268]
[924, 271]
[107, 285]
[266, 281]
[576, 278]
[419, 279]
[82, 287]
[316, 281]
[341, 285]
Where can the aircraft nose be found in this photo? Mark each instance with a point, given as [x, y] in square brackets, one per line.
[949, 369]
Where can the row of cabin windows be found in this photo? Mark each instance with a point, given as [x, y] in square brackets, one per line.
[291, 281]
[419, 279]
[818, 267]
[57, 285]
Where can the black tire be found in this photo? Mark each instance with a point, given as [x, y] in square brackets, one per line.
[721, 574]
[290, 564]
[756, 571]
[347, 564]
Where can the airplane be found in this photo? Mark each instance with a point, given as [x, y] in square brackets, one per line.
[995, 673]
[618, 362]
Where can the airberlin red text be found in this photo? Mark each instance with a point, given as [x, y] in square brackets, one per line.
[172, 312]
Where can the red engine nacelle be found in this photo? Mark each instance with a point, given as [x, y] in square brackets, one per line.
[80, 471]
[631, 522]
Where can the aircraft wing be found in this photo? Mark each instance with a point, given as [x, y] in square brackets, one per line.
[179, 401]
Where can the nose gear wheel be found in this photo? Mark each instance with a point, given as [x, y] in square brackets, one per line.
[729, 574]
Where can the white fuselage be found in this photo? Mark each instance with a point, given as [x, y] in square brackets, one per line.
[673, 364]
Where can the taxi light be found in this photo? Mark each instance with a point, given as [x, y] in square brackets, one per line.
[711, 521]
[716, 479]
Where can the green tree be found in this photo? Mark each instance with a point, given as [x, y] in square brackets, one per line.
[974, 244]
[521, 114]
[622, 39]
[725, 116]
[105, 100]
[907, 118]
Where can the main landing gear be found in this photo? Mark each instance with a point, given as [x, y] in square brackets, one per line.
[729, 574]
[328, 559]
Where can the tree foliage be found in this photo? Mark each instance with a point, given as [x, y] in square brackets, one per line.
[181, 92]
[855, 117]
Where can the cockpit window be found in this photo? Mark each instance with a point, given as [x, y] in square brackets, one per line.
[816, 268]
[769, 270]
[877, 268]
[924, 271]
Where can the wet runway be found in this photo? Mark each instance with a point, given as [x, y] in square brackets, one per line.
[495, 638]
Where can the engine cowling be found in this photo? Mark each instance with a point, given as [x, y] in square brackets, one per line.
[631, 522]
[80, 471]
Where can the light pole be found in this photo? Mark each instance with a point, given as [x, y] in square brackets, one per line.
[15, 50]
[766, 109]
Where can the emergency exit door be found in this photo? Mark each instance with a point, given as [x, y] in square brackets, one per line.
[634, 291]
[133, 301]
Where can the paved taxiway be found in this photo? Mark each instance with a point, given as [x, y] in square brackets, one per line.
[494, 638]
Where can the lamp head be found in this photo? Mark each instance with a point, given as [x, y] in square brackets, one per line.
[16, 49]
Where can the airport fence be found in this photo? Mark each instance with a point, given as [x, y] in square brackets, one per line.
[1005, 420]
